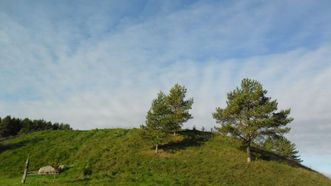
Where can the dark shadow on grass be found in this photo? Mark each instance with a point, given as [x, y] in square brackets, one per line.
[191, 138]
[258, 153]
[11, 146]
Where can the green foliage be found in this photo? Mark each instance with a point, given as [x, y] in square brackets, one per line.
[156, 120]
[167, 114]
[250, 115]
[9, 126]
[179, 107]
[283, 147]
[122, 157]
[13, 126]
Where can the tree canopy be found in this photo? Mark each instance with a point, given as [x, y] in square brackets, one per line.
[157, 118]
[179, 107]
[250, 115]
[282, 146]
[167, 114]
[11, 126]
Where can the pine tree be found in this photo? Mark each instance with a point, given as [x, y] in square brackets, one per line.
[157, 119]
[167, 114]
[179, 108]
[282, 146]
[250, 115]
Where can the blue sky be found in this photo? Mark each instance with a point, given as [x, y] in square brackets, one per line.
[98, 64]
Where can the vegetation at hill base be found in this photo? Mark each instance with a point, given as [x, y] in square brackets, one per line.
[11, 126]
[123, 157]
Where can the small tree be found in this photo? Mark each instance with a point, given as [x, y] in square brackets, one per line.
[179, 108]
[156, 121]
[282, 146]
[249, 115]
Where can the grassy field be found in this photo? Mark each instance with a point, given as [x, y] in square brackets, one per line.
[122, 157]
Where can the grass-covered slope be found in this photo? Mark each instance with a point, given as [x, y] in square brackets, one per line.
[122, 157]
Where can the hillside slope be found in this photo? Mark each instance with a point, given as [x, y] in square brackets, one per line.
[121, 157]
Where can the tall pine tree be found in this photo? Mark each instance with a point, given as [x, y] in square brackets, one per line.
[157, 119]
[167, 114]
[179, 107]
[250, 114]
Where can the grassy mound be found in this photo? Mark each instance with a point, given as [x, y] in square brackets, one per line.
[122, 157]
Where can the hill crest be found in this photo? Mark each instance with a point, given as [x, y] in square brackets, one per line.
[122, 157]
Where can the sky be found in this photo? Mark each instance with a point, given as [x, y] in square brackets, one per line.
[99, 64]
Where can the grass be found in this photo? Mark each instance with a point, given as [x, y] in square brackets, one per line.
[122, 157]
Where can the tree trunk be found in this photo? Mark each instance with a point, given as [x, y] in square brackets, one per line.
[156, 148]
[249, 155]
[25, 170]
[174, 133]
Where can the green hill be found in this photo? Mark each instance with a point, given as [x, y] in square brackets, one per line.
[122, 157]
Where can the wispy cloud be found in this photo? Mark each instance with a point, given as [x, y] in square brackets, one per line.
[100, 64]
